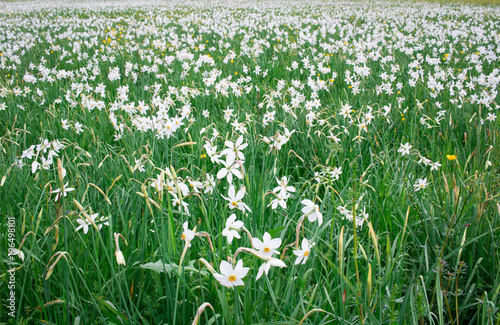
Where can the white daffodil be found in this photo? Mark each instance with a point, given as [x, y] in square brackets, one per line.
[212, 153]
[335, 173]
[311, 210]
[177, 202]
[268, 246]
[405, 149]
[435, 165]
[85, 223]
[230, 276]
[232, 227]
[66, 190]
[303, 254]
[280, 199]
[233, 150]
[188, 234]
[230, 168]
[283, 186]
[209, 184]
[267, 265]
[235, 199]
[420, 184]
[18, 252]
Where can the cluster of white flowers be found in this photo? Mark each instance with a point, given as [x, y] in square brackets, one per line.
[42, 154]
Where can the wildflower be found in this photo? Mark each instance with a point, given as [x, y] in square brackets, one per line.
[230, 276]
[232, 227]
[139, 165]
[85, 223]
[268, 245]
[435, 165]
[235, 199]
[196, 185]
[66, 190]
[65, 124]
[280, 199]
[345, 110]
[303, 254]
[233, 150]
[451, 157]
[78, 127]
[209, 184]
[177, 202]
[346, 213]
[405, 149]
[335, 173]
[283, 186]
[230, 168]
[188, 234]
[311, 210]
[18, 252]
[420, 184]
[267, 265]
[212, 153]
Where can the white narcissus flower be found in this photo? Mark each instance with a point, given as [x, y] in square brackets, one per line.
[280, 199]
[232, 227]
[303, 254]
[18, 252]
[335, 173]
[188, 234]
[405, 149]
[209, 184]
[35, 166]
[195, 185]
[420, 184]
[230, 168]
[267, 265]
[235, 199]
[233, 150]
[435, 165]
[212, 153]
[283, 186]
[268, 246]
[311, 210]
[84, 223]
[177, 202]
[66, 190]
[230, 276]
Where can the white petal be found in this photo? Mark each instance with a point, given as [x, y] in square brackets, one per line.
[237, 173]
[222, 173]
[307, 202]
[241, 193]
[226, 268]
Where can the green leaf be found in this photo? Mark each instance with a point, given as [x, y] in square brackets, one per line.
[159, 266]
[276, 232]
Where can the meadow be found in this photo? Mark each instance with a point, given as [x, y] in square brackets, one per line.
[222, 162]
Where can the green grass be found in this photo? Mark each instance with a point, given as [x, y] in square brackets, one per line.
[422, 256]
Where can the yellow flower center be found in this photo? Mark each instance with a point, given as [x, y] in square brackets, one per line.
[306, 253]
[267, 250]
[234, 203]
[232, 278]
[183, 237]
